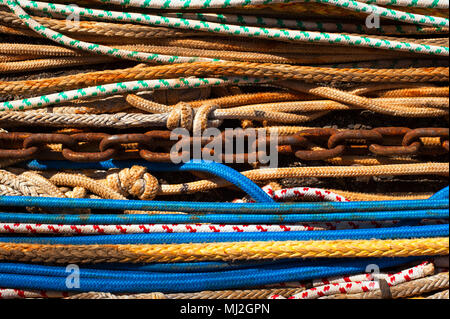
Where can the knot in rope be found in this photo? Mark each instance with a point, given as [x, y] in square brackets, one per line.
[181, 116]
[135, 181]
[201, 118]
[77, 192]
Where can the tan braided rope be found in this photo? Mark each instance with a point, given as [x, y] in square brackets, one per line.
[108, 295]
[258, 175]
[413, 92]
[280, 58]
[303, 73]
[439, 295]
[348, 160]
[43, 64]
[43, 183]
[279, 112]
[218, 43]
[315, 171]
[355, 100]
[222, 251]
[96, 28]
[138, 183]
[23, 185]
[78, 180]
[218, 294]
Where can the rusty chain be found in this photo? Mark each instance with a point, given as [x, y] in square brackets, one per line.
[154, 146]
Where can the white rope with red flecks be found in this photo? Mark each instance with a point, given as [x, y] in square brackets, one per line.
[28, 228]
[358, 283]
[298, 193]
[6, 293]
[55, 229]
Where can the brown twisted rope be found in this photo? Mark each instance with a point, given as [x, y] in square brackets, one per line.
[301, 73]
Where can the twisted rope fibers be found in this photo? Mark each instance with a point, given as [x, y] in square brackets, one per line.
[187, 263]
[223, 251]
[291, 35]
[116, 88]
[275, 71]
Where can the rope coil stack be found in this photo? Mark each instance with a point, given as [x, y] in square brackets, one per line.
[115, 150]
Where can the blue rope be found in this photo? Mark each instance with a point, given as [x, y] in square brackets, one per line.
[202, 266]
[118, 219]
[23, 276]
[220, 170]
[442, 194]
[212, 207]
[402, 232]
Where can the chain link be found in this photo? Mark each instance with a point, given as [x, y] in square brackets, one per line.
[155, 146]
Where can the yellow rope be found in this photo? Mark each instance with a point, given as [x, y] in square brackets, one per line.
[223, 251]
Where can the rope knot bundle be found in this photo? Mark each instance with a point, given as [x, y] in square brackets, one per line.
[181, 116]
[135, 181]
[201, 118]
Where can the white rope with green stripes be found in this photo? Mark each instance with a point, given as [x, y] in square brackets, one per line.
[96, 48]
[440, 4]
[388, 13]
[209, 4]
[303, 25]
[344, 4]
[235, 30]
[120, 88]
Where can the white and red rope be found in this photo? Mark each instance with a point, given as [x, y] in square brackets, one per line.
[357, 283]
[296, 193]
[6, 293]
[29, 228]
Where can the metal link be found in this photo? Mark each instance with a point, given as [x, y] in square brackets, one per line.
[353, 136]
[311, 144]
[75, 156]
[14, 139]
[416, 134]
[383, 150]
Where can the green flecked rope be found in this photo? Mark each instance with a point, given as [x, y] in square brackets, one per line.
[208, 4]
[235, 30]
[304, 25]
[96, 48]
[344, 4]
[120, 88]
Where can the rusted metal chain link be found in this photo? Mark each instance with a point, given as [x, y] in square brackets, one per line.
[309, 144]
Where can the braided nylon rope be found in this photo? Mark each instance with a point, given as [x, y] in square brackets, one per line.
[222, 251]
[352, 285]
[291, 35]
[294, 24]
[95, 48]
[351, 98]
[180, 228]
[197, 4]
[116, 88]
[405, 275]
